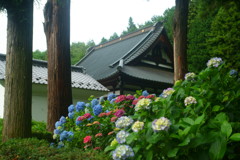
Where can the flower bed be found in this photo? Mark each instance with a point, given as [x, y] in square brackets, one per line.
[198, 117]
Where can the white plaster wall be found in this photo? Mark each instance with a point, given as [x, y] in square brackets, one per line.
[39, 100]
[1, 100]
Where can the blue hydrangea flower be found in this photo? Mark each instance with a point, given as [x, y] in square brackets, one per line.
[80, 106]
[111, 96]
[57, 124]
[97, 109]
[63, 135]
[56, 131]
[63, 120]
[113, 100]
[94, 102]
[71, 108]
[71, 115]
[145, 93]
[70, 135]
[121, 136]
[122, 152]
[233, 72]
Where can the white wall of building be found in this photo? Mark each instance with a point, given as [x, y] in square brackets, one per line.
[39, 100]
[1, 100]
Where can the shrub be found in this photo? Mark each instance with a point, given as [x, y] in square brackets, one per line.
[196, 119]
[33, 148]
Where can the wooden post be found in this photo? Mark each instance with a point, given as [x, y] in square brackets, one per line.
[180, 39]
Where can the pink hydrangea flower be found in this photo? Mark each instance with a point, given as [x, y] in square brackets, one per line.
[119, 113]
[87, 139]
[120, 98]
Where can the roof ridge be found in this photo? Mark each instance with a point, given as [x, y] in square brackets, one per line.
[129, 35]
[124, 37]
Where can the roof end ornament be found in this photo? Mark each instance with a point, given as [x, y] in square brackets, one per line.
[120, 65]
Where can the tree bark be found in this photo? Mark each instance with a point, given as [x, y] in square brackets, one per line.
[180, 39]
[57, 31]
[18, 81]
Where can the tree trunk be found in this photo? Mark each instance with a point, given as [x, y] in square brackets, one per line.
[180, 39]
[18, 81]
[57, 30]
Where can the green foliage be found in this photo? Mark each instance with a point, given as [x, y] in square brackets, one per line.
[131, 27]
[78, 50]
[196, 119]
[40, 55]
[214, 33]
[114, 36]
[103, 40]
[197, 52]
[224, 38]
[33, 148]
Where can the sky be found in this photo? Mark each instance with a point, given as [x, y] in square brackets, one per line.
[92, 19]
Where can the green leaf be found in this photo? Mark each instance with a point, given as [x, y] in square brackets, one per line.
[199, 119]
[188, 120]
[172, 152]
[226, 128]
[217, 108]
[149, 146]
[217, 149]
[149, 155]
[184, 132]
[136, 148]
[221, 117]
[185, 142]
[109, 148]
[235, 137]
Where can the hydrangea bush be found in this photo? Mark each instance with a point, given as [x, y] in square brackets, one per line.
[196, 119]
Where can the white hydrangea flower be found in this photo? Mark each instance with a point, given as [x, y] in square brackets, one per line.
[122, 152]
[143, 104]
[214, 62]
[161, 124]
[137, 126]
[123, 122]
[167, 92]
[190, 76]
[121, 137]
[190, 100]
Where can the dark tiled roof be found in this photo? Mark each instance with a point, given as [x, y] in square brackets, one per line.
[147, 73]
[102, 60]
[39, 75]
